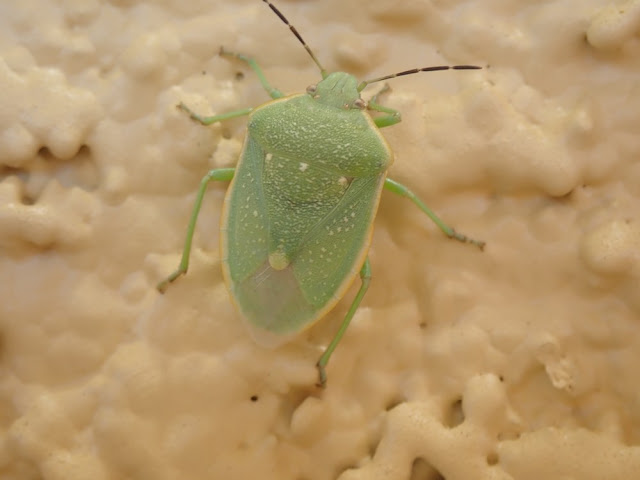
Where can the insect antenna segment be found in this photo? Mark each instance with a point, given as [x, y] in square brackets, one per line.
[437, 68]
[323, 72]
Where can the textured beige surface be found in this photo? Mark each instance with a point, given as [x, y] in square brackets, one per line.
[521, 362]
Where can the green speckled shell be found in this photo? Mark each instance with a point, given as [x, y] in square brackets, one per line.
[306, 189]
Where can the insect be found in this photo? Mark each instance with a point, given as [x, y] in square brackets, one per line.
[298, 215]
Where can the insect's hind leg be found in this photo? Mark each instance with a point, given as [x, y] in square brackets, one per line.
[219, 174]
[403, 191]
[272, 91]
[365, 278]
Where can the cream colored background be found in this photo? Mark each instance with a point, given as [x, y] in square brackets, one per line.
[521, 362]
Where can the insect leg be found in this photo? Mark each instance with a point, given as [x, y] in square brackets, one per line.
[403, 191]
[393, 116]
[272, 91]
[365, 278]
[219, 174]
[213, 118]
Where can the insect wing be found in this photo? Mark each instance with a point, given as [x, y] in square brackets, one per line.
[329, 237]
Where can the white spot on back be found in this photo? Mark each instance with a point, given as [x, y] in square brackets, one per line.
[303, 166]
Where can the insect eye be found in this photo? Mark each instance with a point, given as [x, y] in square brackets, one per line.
[360, 104]
[312, 89]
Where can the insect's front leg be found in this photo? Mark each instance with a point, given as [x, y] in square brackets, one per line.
[219, 174]
[271, 90]
[392, 116]
[365, 278]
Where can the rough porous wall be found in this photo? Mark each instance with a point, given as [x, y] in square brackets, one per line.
[519, 362]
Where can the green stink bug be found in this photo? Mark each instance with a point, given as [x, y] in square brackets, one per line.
[298, 216]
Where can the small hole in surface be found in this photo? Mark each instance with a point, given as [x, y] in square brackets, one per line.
[254, 398]
[422, 470]
[456, 415]
[492, 458]
[393, 402]
[239, 76]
